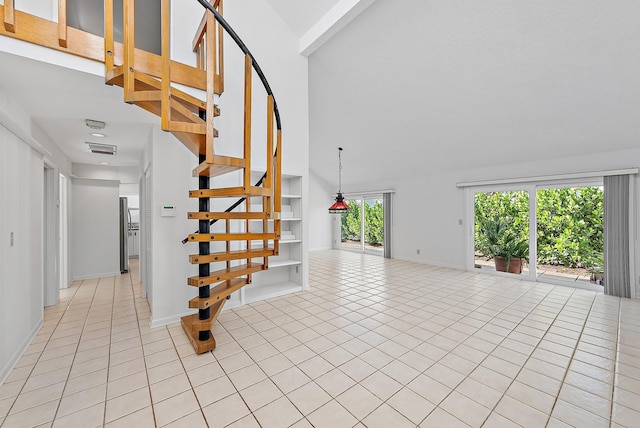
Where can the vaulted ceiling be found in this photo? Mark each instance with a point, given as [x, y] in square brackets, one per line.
[431, 85]
[425, 86]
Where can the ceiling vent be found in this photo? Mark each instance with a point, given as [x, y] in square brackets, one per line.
[94, 124]
[102, 149]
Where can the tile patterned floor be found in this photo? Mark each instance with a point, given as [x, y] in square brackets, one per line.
[376, 343]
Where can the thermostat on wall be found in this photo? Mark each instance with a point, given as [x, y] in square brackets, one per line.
[168, 211]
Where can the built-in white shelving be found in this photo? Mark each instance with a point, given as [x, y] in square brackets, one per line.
[285, 273]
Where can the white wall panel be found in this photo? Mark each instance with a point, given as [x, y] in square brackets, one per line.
[21, 286]
[95, 236]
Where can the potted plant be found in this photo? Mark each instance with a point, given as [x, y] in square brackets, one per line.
[509, 250]
[595, 266]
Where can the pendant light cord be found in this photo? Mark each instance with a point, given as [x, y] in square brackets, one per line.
[339, 169]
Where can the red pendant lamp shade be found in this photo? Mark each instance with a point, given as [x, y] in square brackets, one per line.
[339, 206]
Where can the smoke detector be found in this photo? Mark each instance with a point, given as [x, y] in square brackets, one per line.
[94, 124]
[102, 149]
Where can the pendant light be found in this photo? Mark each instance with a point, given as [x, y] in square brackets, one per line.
[339, 206]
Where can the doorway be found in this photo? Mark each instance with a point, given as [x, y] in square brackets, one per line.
[63, 238]
[50, 247]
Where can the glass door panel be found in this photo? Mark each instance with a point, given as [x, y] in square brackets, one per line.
[569, 235]
[351, 231]
[501, 235]
[373, 226]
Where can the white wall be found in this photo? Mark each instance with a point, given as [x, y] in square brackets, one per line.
[21, 284]
[275, 47]
[318, 217]
[47, 9]
[95, 238]
[171, 181]
[21, 212]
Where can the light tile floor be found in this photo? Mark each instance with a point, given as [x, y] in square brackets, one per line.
[376, 343]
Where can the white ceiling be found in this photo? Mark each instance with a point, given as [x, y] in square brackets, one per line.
[61, 99]
[429, 86]
[300, 15]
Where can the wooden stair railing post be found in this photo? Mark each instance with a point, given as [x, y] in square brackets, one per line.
[9, 16]
[248, 73]
[210, 61]
[109, 45]
[128, 14]
[166, 66]
[267, 201]
[246, 179]
[277, 193]
[62, 23]
[219, 58]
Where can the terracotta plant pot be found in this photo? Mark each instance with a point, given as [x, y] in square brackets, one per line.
[597, 278]
[515, 264]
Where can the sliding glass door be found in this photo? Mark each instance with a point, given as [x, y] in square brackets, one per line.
[551, 232]
[363, 225]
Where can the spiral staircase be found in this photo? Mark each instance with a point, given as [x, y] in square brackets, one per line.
[240, 251]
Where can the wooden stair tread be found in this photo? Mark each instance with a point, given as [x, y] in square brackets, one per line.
[226, 192]
[225, 274]
[218, 293]
[221, 165]
[234, 215]
[211, 237]
[231, 255]
[144, 82]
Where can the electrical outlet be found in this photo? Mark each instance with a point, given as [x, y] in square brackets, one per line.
[12, 239]
[418, 251]
[460, 222]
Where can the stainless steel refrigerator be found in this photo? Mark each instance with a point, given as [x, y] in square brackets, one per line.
[124, 235]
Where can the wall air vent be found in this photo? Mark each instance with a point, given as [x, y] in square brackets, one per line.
[102, 149]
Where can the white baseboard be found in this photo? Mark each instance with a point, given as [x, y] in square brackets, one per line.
[6, 370]
[430, 262]
[96, 275]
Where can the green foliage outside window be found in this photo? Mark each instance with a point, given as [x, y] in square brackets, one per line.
[569, 222]
[374, 221]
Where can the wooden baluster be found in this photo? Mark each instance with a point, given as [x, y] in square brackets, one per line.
[166, 66]
[248, 73]
[268, 180]
[220, 53]
[62, 23]
[277, 193]
[9, 16]
[109, 52]
[129, 49]
[210, 57]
